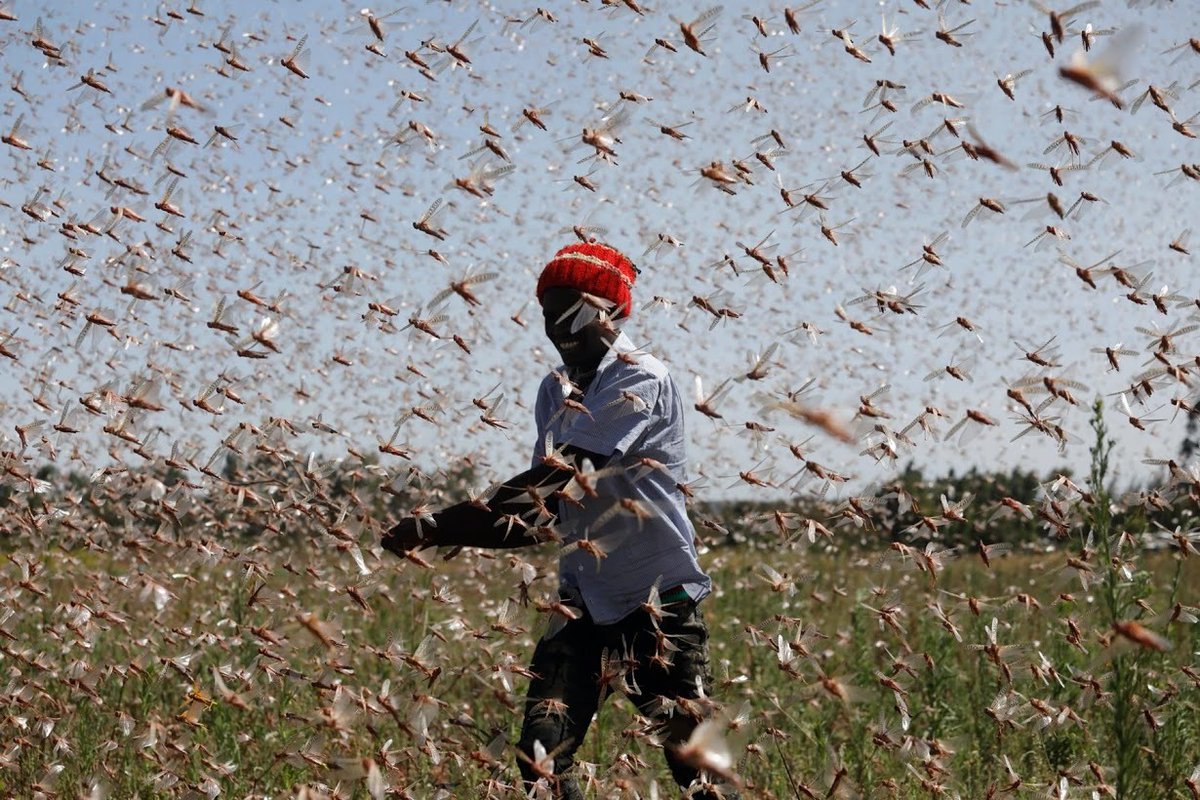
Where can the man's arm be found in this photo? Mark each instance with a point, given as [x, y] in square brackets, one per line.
[510, 518]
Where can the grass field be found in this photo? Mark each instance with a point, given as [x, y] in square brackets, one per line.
[163, 669]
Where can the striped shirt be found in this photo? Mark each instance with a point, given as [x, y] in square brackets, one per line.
[635, 417]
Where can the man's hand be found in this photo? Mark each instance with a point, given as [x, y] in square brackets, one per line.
[466, 524]
[405, 536]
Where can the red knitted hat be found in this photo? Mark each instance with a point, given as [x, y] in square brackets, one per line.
[594, 268]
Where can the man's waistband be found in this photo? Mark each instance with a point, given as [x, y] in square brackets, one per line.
[675, 595]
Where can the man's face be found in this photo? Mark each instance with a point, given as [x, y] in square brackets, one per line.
[584, 347]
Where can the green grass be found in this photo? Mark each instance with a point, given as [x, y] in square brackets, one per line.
[104, 699]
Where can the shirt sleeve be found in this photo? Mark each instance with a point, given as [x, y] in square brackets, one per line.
[618, 413]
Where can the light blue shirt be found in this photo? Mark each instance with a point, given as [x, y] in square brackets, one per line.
[634, 412]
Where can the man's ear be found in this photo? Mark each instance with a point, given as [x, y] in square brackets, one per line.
[610, 326]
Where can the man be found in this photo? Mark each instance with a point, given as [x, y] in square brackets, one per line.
[606, 480]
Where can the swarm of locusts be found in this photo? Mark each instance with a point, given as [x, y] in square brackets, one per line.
[267, 277]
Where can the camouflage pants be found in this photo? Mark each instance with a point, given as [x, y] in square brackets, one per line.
[579, 665]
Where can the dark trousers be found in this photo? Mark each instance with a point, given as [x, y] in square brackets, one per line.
[660, 669]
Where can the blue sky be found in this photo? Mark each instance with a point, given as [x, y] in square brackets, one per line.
[289, 208]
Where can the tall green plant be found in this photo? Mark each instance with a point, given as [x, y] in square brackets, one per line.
[1119, 590]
